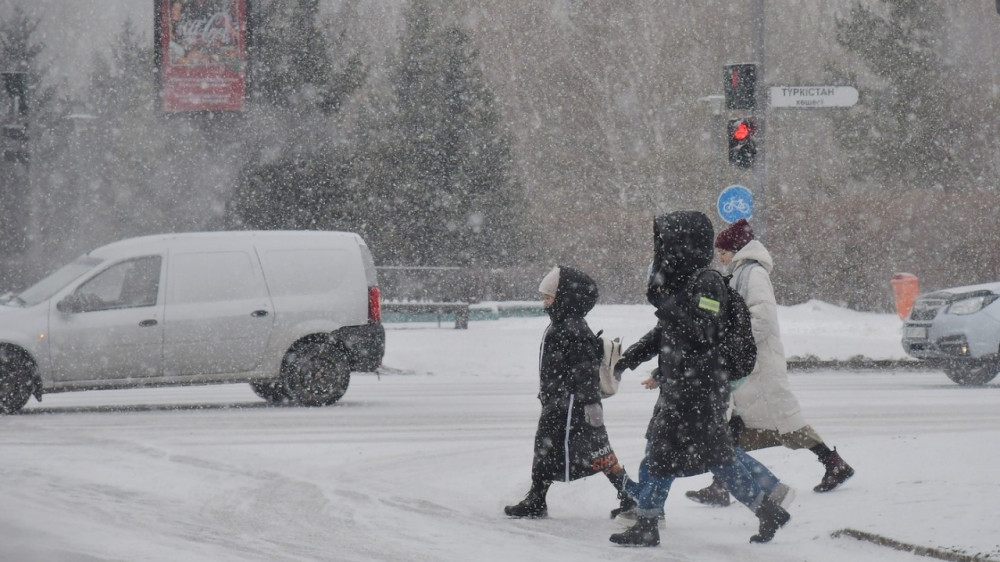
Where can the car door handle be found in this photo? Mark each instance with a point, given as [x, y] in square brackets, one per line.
[258, 313]
[147, 323]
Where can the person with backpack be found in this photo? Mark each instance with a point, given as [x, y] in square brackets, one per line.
[688, 433]
[571, 440]
[764, 406]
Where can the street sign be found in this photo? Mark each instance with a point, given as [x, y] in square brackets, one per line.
[735, 203]
[812, 96]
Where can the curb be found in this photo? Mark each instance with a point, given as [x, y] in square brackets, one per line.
[862, 364]
[906, 547]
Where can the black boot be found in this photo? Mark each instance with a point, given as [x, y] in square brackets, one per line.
[626, 503]
[644, 533]
[837, 471]
[715, 494]
[533, 505]
[772, 517]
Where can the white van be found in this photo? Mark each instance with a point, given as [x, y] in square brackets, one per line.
[290, 312]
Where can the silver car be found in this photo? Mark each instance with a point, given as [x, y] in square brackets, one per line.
[958, 329]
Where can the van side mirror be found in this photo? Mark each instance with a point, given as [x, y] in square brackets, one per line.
[71, 304]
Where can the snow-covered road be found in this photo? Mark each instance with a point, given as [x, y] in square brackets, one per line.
[416, 465]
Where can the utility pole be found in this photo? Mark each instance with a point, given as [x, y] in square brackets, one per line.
[760, 118]
[715, 104]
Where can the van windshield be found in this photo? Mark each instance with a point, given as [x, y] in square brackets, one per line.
[51, 284]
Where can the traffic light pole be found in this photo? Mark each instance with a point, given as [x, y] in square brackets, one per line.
[759, 173]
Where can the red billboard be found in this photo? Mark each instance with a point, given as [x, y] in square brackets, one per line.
[202, 54]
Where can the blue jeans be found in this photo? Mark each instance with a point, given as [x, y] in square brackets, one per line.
[745, 477]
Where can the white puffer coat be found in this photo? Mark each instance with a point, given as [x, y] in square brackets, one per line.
[764, 400]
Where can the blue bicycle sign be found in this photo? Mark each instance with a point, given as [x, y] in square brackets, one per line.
[735, 203]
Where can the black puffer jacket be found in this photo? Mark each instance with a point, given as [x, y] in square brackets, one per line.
[567, 447]
[688, 433]
[570, 351]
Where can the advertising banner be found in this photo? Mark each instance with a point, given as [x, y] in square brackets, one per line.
[202, 54]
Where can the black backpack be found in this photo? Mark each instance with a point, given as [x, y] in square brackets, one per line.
[738, 350]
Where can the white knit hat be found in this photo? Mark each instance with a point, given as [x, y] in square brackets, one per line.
[550, 283]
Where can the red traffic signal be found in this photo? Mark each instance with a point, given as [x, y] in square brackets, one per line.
[742, 147]
[742, 131]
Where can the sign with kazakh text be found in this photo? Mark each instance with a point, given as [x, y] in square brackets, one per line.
[807, 97]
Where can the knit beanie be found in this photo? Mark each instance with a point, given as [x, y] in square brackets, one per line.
[550, 283]
[733, 239]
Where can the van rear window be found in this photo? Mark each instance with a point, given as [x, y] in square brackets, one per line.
[304, 272]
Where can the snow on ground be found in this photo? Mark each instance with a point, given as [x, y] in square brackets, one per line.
[416, 464]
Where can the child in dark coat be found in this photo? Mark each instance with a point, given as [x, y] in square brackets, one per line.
[571, 441]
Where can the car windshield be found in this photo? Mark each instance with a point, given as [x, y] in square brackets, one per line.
[55, 281]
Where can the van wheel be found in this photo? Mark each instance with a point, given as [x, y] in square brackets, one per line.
[972, 374]
[316, 373]
[15, 380]
[272, 391]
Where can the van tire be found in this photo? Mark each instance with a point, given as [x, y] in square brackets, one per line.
[272, 391]
[316, 373]
[16, 381]
[971, 373]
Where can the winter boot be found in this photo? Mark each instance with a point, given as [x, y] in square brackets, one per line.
[627, 504]
[837, 472]
[644, 533]
[628, 517]
[533, 505]
[715, 494]
[772, 517]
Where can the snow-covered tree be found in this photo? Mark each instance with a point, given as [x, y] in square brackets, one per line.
[296, 175]
[437, 166]
[21, 47]
[911, 129]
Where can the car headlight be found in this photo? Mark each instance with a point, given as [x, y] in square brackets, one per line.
[970, 305]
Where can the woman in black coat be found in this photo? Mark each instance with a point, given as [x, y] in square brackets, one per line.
[688, 433]
[571, 441]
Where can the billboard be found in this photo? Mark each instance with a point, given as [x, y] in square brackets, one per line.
[201, 53]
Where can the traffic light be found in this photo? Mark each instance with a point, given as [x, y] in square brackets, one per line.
[14, 136]
[739, 83]
[742, 147]
[16, 85]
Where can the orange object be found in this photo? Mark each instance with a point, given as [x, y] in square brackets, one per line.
[906, 287]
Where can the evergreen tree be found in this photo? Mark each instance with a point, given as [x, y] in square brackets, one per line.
[910, 131]
[121, 161]
[437, 167]
[298, 178]
[20, 49]
[291, 58]
[24, 185]
[132, 170]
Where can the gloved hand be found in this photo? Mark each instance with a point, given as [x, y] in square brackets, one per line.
[736, 427]
[619, 369]
[594, 414]
[734, 384]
